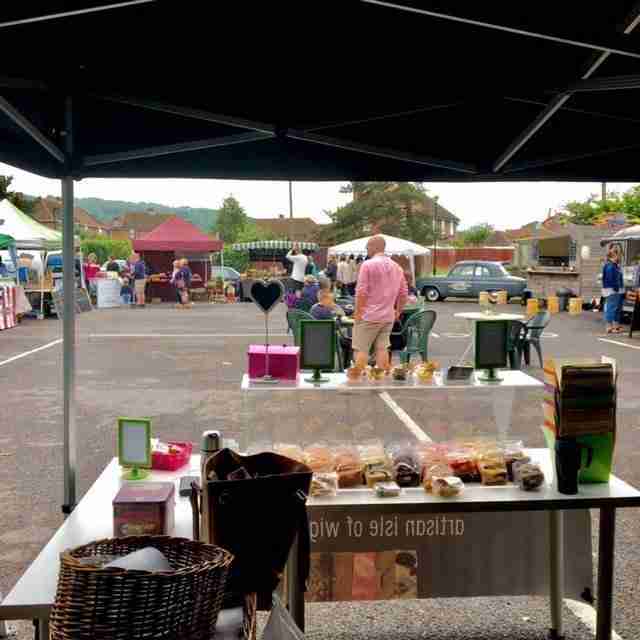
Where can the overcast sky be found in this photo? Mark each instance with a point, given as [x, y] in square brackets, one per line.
[504, 205]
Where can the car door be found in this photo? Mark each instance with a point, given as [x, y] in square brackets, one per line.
[484, 279]
[460, 281]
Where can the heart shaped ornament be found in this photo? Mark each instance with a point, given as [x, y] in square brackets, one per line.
[266, 295]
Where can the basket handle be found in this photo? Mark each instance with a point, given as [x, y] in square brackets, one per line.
[195, 500]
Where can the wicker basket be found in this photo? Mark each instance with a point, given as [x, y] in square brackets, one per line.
[117, 604]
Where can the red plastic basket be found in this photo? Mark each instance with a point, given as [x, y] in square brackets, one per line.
[172, 461]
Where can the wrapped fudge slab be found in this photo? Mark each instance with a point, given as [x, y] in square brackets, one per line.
[447, 487]
[319, 457]
[324, 484]
[530, 476]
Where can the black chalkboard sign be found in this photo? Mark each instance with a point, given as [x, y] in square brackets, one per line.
[635, 316]
[82, 301]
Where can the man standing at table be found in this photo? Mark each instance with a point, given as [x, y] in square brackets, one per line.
[381, 294]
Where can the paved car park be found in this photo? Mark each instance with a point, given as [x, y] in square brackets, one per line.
[183, 369]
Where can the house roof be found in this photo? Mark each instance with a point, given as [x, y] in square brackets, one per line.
[176, 234]
[299, 229]
[140, 221]
[498, 239]
[48, 211]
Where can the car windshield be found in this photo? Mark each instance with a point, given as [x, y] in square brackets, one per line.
[502, 270]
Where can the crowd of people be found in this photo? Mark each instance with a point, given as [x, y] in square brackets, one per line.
[134, 279]
[377, 287]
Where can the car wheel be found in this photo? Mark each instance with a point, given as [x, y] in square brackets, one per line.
[431, 294]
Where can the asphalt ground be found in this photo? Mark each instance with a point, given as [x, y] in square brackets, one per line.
[183, 368]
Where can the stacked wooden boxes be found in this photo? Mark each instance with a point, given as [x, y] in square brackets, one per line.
[580, 402]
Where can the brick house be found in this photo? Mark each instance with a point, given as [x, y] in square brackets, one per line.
[296, 229]
[48, 211]
[133, 225]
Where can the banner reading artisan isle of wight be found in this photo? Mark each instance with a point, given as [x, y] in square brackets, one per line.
[364, 556]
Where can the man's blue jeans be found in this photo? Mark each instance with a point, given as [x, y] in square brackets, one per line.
[613, 308]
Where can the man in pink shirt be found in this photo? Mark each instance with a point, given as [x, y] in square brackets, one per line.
[381, 294]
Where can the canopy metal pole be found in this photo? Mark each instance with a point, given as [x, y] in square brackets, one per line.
[290, 199]
[69, 324]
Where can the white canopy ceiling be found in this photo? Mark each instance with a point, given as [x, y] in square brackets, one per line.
[394, 247]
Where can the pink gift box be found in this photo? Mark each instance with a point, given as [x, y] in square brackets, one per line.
[284, 361]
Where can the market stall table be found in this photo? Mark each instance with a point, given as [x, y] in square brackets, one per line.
[33, 595]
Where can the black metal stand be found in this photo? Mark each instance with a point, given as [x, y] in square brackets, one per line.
[606, 557]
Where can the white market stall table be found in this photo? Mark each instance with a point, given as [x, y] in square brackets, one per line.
[33, 595]
[515, 548]
[108, 292]
[479, 315]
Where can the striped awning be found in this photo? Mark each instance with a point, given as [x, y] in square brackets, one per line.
[274, 245]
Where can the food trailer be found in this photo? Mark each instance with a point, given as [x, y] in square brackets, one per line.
[628, 241]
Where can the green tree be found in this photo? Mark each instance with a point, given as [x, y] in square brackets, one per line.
[232, 219]
[395, 208]
[15, 197]
[104, 247]
[239, 260]
[594, 209]
[477, 235]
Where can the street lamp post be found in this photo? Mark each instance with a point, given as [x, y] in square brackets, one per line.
[435, 234]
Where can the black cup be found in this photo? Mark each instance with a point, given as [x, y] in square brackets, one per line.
[569, 462]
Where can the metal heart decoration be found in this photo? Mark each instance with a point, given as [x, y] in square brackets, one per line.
[266, 295]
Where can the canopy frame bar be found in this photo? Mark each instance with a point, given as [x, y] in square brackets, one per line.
[608, 48]
[612, 83]
[20, 83]
[556, 103]
[387, 116]
[170, 149]
[72, 13]
[586, 112]
[29, 128]
[188, 112]
[559, 159]
[380, 152]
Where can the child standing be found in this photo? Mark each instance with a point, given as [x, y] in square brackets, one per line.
[126, 291]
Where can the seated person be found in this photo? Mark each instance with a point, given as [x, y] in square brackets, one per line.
[326, 307]
[411, 290]
[310, 290]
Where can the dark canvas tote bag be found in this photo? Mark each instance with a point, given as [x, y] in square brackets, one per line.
[257, 519]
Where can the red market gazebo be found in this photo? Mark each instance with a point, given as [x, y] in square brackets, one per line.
[173, 239]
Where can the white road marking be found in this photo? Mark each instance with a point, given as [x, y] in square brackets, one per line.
[184, 335]
[546, 334]
[587, 615]
[455, 335]
[621, 344]
[28, 353]
[405, 418]
[435, 335]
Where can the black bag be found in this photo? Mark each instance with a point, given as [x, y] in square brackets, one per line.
[257, 519]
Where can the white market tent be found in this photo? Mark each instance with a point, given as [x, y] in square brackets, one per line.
[28, 233]
[393, 247]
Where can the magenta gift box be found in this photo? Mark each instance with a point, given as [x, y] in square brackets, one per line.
[284, 361]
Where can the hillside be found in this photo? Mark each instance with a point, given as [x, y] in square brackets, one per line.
[107, 210]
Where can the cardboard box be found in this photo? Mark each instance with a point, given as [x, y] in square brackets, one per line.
[144, 508]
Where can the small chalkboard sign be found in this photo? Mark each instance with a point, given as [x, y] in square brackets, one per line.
[635, 317]
[82, 301]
